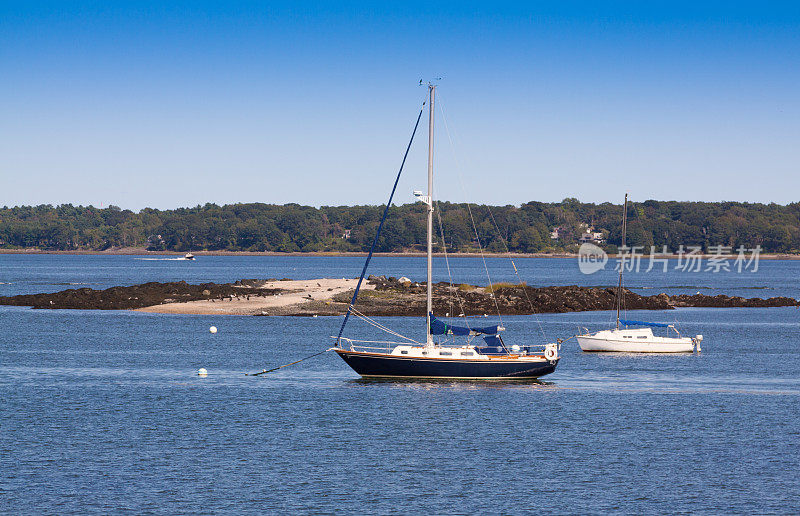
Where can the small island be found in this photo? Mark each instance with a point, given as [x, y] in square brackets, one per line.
[379, 296]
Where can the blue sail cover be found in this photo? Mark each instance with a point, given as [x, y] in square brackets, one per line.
[441, 328]
[643, 323]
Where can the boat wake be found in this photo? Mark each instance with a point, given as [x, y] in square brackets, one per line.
[48, 283]
[179, 259]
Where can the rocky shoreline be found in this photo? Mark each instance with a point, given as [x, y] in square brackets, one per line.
[380, 296]
[136, 296]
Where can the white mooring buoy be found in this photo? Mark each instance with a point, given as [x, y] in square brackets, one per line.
[213, 329]
[202, 372]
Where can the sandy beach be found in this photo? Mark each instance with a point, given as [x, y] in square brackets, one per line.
[295, 295]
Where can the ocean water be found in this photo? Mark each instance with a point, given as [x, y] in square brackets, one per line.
[28, 274]
[102, 412]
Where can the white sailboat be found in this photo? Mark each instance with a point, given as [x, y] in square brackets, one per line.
[625, 339]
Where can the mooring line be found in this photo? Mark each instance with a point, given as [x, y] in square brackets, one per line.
[561, 341]
[287, 365]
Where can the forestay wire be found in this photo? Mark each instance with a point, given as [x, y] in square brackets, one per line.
[366, 264]
[378, 233]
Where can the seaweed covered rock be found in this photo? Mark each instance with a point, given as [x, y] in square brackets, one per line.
[135, 296]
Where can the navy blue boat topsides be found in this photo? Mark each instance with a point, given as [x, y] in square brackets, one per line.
[370, 364]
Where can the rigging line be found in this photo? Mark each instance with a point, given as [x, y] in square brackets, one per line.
[265, 371]
[383, 328]
[524, 289]
[485, 267]
[444, 251]
[632, 257]
[452, 293]
[469, 210]
[453, 290]
[640, 220]
[380, 326]
[380, 226]
[619, 300]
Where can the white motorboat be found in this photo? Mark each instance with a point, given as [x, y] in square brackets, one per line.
[625, 339]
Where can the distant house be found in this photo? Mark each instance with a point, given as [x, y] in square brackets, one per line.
[346, 234]
[561, 233]
[590, 235]
[155, 241]
[587, 234]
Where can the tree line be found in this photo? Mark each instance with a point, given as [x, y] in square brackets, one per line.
[294, 228]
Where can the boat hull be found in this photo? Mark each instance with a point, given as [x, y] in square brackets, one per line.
[588, 343]
[385, 365]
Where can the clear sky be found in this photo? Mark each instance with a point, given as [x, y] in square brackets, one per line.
[176, 104]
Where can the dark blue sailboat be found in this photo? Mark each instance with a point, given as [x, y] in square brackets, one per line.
[487, 360]
[483, 356]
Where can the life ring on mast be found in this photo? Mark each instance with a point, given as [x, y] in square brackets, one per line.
[550, 352]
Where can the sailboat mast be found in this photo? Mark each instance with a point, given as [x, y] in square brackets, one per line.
[622, 259]
[431, 91]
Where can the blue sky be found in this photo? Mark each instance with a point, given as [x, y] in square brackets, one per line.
[176, 104]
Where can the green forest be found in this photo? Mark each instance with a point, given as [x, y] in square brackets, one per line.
[528, 228]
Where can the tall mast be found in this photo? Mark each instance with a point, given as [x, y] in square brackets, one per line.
[622, 258]
[429, 340]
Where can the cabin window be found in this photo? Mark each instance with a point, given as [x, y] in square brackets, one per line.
[404, 352]
[424, 352]
[466, 353]
[627, 336]
[445, 353]
[642, 337]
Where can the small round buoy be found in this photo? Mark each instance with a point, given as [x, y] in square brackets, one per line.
[202, 372]
[213, 329]
[515, 348]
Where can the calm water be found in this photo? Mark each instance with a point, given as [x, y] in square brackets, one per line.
[103, 412]
[28, 274]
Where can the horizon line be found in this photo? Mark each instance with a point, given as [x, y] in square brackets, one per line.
[566, 200]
